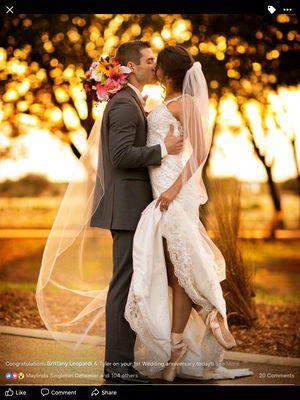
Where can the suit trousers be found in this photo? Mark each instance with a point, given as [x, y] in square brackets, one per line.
[120, 338]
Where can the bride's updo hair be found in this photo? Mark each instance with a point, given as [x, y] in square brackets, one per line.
[175, 61]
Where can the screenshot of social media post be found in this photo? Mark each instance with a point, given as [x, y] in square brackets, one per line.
[149, 200]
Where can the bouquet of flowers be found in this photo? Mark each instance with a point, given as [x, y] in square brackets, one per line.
[105, 78]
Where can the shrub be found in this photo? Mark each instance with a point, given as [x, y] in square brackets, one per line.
[224, 209]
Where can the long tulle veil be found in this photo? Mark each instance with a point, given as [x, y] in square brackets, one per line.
[76, 264]
[197, 132]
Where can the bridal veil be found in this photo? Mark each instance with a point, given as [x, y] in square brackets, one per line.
[197, 133]
[75, 269]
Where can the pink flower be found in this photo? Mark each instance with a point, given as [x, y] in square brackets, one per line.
[114, 73]
[113, 86]
[101, 92]
[112, 83]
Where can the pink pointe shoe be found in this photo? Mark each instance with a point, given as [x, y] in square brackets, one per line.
[178, 351]
[219, 328]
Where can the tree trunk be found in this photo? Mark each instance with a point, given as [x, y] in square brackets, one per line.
[277, 220]
[292, 140]
[214, 128]
[75, 151]
[204, 209]
[88, 123]
[293, 143]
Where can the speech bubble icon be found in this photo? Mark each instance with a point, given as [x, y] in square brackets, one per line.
[45, 392]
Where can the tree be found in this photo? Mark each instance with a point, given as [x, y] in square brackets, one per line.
[43, 58]
[252, 62]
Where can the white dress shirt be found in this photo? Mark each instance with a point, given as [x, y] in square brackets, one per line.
[164, 151]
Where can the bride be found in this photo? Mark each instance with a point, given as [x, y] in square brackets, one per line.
[175, 302]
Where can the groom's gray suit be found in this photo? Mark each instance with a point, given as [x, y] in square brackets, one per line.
[127, 192]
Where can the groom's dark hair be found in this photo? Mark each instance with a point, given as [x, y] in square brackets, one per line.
[131, 51]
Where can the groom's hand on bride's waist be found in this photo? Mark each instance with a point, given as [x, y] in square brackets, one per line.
[174, 144]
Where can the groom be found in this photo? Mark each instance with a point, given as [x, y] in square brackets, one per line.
[127, 192]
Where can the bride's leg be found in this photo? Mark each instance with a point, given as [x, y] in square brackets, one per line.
[182, 304]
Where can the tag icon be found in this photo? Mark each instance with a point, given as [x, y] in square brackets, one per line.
[271, 9]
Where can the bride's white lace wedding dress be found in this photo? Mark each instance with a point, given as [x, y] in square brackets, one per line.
[198, 265]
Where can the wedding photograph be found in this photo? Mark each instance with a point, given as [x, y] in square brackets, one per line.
[149, 200]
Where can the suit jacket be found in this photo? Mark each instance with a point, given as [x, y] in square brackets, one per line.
[127, 189]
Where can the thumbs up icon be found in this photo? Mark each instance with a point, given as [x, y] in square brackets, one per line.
[9, 392]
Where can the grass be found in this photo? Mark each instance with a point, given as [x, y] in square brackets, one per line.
[263, 297]
[28, 212]
[257, 210]
[40, 212]
[27, 286]
[261, 252]
[21, 261]
[277, 262]
[277, 277]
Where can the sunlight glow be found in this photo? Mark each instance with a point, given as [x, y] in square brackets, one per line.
[70, 117]
[45, 154]
[232, 154]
